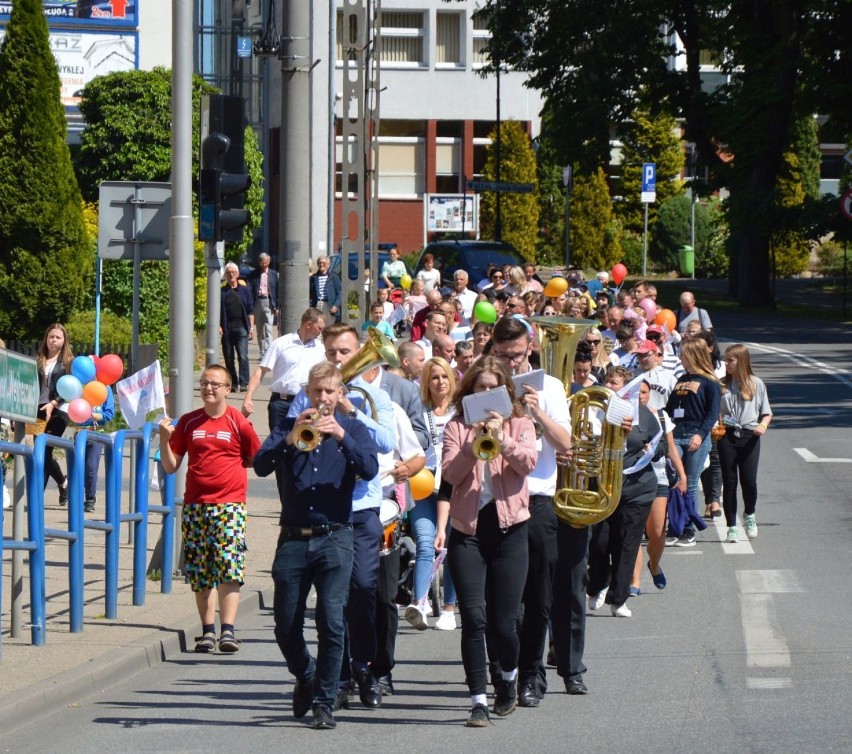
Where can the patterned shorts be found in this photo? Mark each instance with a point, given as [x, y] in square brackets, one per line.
[214, 543]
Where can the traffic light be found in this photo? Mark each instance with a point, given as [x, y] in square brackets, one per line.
[221, 213]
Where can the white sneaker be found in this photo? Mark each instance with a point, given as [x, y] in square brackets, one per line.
[416, 617]
[622, 611]
[733, 535]
[751, 526]
[447, 621]
[596, 600]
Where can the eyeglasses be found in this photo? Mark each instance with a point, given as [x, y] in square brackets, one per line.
[512, 358]
[593, 342]
[654, 336]
[518, 305]
[644, 354]
[214, 385]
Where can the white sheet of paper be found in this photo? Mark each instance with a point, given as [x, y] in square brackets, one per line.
[534, 378]
[478, 406]
[617, 410]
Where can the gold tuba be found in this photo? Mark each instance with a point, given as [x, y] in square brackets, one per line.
[597, 460]
[378, 349]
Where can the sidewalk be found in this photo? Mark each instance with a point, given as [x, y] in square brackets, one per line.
[36, 680]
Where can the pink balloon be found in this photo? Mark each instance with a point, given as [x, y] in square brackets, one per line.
[79, 410]
[650, 307]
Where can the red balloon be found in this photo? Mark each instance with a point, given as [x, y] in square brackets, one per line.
[619, 272]
[109, 368]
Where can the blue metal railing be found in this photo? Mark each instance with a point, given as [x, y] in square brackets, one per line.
[78, 525]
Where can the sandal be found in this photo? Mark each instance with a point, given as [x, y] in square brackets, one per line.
[228, 643]
[206, 642]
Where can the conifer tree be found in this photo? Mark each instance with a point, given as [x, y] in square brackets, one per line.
[595, 243]
[45, 254]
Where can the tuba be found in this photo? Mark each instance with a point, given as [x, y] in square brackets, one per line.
[588, 489]
[378, 349]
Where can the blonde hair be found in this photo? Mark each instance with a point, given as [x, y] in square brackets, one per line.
[435, 361]
[694, 352]
[743, 373]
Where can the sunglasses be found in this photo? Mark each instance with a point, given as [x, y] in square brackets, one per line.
[654, 336]
[648, 353]
[593, 342]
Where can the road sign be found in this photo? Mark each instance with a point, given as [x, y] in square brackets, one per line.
[649, 182]
[120, 227]
[504, 186]
[846, 204]
[18, 386]
[243, 47]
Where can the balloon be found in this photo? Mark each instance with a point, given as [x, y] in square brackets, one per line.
[650, 307]
[556, 286]
[405, 282]
[484, 311]
[69, 387]
[422, 484]
[95, 393]
[79, 410]
[110, 368]
[83, 368]
[666, 318]
[619, 272]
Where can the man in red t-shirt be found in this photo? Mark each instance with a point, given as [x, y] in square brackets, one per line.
[221, 444]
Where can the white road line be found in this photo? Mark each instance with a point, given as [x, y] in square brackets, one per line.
[813, 458]
[841, 375]
[779, 581]
[764, 642]
[769, 683]
[743, 547]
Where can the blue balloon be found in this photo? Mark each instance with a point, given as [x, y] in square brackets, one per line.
[83, 368]
[69, 387]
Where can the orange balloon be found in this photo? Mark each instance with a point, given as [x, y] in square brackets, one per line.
[556, 286]
[422, 484]
[666, 318]
[95, 393]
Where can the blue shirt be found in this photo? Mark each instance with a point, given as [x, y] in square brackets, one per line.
[368, 489]
[316, 487]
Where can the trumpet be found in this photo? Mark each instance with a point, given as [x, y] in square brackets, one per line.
[308, 436]
[486, 447]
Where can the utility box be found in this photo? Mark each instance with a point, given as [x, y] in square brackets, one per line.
[687, 261]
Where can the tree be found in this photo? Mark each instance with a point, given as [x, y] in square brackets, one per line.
[790, 249]
[673, 230]
[648, 138]
[45, 254]
[594, 231]
[594, 62]
[128, 137]
[518, 212]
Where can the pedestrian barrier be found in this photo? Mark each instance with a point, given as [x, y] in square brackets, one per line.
[78, 525]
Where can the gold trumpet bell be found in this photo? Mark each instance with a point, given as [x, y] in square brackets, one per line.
[378, 349]
[485, 447]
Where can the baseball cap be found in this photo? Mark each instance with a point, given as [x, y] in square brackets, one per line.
[647, 346]
[656, 328]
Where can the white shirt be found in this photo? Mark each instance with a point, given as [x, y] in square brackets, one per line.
[426, 346]
[542, 480]
[430, 279]
[290, 360]
[662, 382]
[407, 447]
[468, 300]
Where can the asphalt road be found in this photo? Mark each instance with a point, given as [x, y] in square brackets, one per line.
[747, 650]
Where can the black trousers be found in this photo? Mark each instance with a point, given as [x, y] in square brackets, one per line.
[538, 592]
[276, 410]
[387, 613]
[55, 426]
[568, 613]
[739, 457]
[612, 554]
[489, 569]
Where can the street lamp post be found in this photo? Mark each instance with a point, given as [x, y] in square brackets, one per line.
[568, 183]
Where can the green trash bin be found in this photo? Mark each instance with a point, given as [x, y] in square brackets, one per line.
[687, 261]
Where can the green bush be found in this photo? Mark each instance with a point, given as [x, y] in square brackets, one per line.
[631, 252]
[594, 240]
[830, 259]
[115, 330]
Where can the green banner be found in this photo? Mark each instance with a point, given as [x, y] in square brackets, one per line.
[18, 386]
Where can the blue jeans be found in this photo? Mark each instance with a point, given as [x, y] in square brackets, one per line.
[325, 562]
[423, 518]
[693, 461]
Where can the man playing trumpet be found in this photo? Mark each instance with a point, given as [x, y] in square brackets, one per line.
[315, 545]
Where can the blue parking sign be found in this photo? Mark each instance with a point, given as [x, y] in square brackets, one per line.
[649, 182]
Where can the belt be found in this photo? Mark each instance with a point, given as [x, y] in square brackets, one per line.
[306, 532]
[259, 296]
[282, 397]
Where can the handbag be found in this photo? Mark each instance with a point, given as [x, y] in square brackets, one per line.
[717, 431]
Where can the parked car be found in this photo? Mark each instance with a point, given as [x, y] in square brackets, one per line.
[471, 256]
[384, 256]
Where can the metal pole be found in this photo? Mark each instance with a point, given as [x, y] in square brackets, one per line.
[214, 302]
[498, 215]
[692, 230]
[295, 163]
[181, 231]
[332, 138]
[99, 272]
[645, 245]
[845, 276]
[17, 615]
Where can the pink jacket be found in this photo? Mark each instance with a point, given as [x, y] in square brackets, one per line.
[508, 473]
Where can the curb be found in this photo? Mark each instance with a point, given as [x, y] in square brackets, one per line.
[24, 706]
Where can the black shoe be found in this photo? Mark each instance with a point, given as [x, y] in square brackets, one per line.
[528, 697]
[551, 656]
[89, 506]
[63, 495]
[341, 701]
[323, 719]
[576, 687]
[506, 698]
[386, 685]
[368, 688]
[303, 697]
[479, 717]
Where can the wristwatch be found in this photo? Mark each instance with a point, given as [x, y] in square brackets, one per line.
[353, 413]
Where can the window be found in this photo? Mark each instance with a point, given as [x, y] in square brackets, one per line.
[402, 39]
[481, 38]
[448, 40]
[401, 171]
[447, 165]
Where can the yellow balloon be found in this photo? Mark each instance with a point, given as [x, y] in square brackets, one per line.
[422, 484]
[405, 282]
[556, 286]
